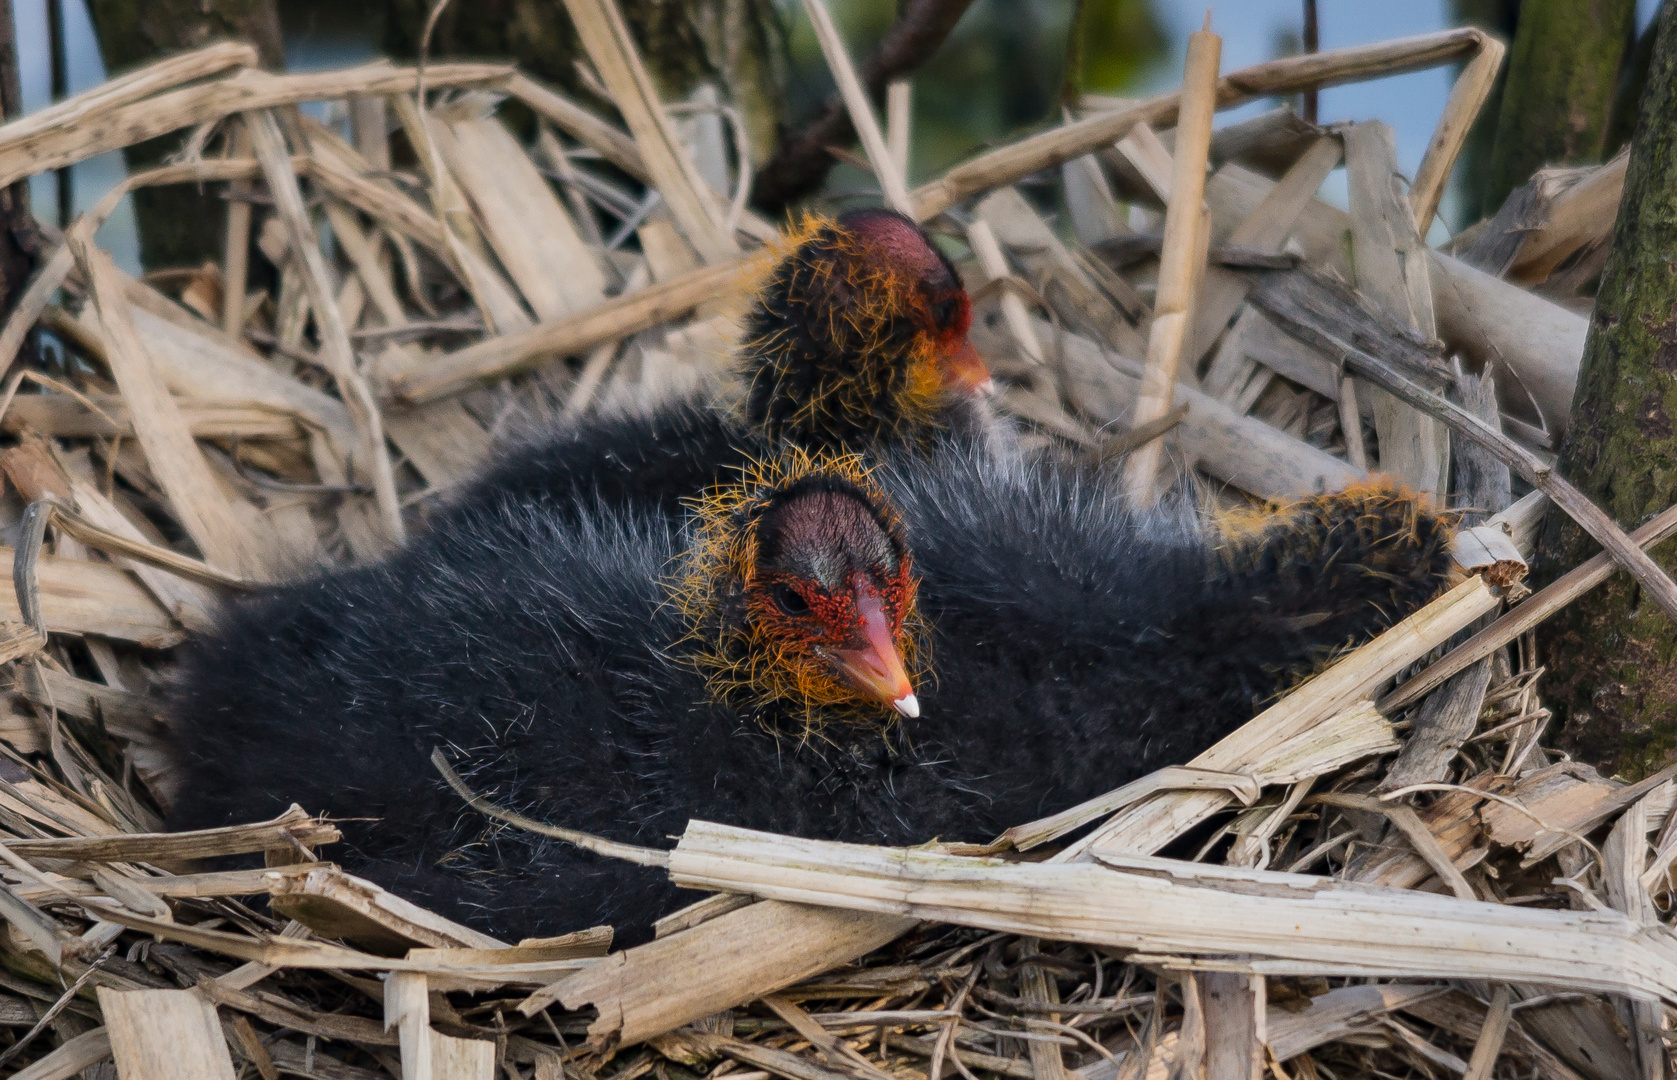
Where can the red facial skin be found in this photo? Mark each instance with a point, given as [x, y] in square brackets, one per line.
[851, 638]
[961, 367]
[944, 310]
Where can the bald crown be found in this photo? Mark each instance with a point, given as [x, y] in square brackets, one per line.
[893, 239]
[824, 533]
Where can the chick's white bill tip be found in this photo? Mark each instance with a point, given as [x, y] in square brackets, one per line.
[908, 705]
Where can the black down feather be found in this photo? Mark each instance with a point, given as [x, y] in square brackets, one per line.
[1075, 647]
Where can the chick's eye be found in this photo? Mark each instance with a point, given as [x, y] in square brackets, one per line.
[944, 311]
[789, 600]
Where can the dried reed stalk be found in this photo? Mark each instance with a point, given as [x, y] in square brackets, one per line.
[1467, 97]
[1591, 518]
[1180, 260]
[1156, 905]
[1553, 597]
[173, 455]
[885, 165]
[336, 350]
[1285, 76]
[29, 152]
[696, 208]
[498, 357]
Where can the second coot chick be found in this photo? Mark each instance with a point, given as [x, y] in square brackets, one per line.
[796, 662]
[857, 342]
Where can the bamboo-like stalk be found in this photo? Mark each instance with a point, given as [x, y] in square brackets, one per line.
[335, 346]
[1180, 259]
[1351, 422]
[1157, 905]
[1276, 77]
[1535, 610]
[498, 357]
[152, 79]
[1491, 1035]
[856, 102]
[899, 123]
[1467, 98]
[26, 149]
[235, 266]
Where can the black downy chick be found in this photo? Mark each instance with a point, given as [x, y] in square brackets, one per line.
[857, 342]
[794, 662]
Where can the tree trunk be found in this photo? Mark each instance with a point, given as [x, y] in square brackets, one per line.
[178, 225]
[1562, 73]
[1501, 18]
[1627, 98]
[1612, 657]
[19, 238]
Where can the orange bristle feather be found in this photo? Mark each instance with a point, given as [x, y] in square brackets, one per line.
[751, 659]
[875, 363]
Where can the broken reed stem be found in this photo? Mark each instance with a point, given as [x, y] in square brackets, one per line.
[162, 433]
[994, 263]
[899, 123]
[1351, 423]
[1551, 599]
[694, 206]
[1590, 517]
[1467, 98]
[860, 108]
[1276, 77]
[26, 151]
[236, 265]
[335, 348]
[56, 267]
[1178, 259]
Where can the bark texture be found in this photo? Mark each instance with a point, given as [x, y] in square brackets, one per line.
[1613, 656]
[179, 225]
[1563, 72]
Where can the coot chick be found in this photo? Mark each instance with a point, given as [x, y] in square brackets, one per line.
[857, 341]
[792, 662]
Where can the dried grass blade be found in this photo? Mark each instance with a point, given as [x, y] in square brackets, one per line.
[162, 432]
[335, 347]
[671, 170]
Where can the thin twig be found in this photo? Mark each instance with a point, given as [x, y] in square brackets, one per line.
[57, 1007]
[599, 845]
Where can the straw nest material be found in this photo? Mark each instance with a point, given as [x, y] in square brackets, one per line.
[1383, 874]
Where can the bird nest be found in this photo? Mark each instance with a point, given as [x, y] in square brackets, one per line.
[1385, 873]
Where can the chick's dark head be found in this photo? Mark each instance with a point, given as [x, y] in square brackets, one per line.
[799, 592]
[859, 337]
